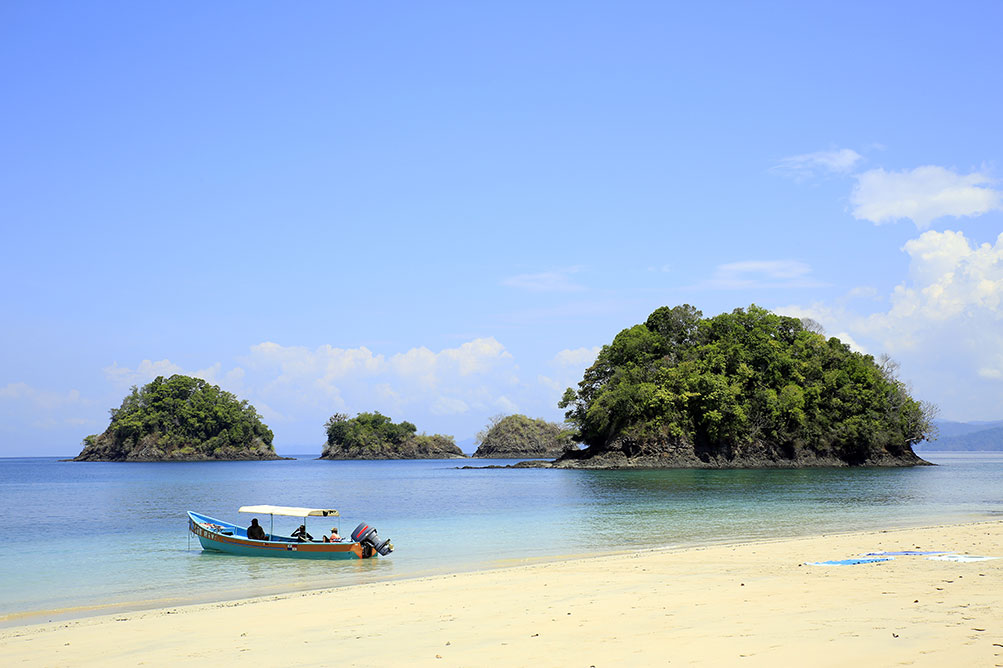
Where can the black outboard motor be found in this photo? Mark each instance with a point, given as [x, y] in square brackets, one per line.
[366, 535]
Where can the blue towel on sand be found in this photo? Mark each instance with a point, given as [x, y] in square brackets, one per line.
[847, 562]
[898, 554]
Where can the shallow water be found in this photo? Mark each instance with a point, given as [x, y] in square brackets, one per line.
[95, 537]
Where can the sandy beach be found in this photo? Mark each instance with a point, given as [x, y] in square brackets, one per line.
[750, 604]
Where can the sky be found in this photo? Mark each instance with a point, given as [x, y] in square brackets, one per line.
[442, 210]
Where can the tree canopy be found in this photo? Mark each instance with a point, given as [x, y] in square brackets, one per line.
[181, 418]
[375, 436]
[742, 382]
[517, 436]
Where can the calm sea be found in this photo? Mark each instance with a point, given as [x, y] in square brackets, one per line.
[91, 538]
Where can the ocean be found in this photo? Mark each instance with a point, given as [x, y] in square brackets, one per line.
[94, 538]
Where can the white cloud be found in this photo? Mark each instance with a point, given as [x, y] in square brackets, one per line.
[448, 382]
[836, 161]
[147, 370]
[506, 405]
[761, 274]
[44, 409]
[944, 324]
[577, 357]
[300, 387]
[922, 195]
[567, 368]
[864, 292]
[40, 398]
[144, 372]
[448, 406]
[848, 339]
[549, 281]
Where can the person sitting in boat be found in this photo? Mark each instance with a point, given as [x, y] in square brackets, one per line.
[335, 538]
[301, 535]
[255, 532]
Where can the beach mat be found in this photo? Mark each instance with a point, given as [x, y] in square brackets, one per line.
[902, 553]
[961, 558]
[849, 562]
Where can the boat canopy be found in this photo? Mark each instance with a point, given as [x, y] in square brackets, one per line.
[290, 511]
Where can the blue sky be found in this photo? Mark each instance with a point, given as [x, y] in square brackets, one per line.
[441, 210]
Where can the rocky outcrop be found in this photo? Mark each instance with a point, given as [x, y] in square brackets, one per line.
[521, 437]
[624, 454]
[155, 448]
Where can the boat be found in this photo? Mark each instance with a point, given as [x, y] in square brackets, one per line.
[220, 536]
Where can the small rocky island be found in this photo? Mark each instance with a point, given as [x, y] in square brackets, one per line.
[744, 389]
[375, 436]
[521, 437]
[180, 419]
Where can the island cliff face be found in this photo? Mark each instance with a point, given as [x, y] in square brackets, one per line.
[180, 419]
[521, 437]
[375, 436]
[739, 390]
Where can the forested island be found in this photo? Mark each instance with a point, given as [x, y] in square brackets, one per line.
[742, 389]
[375, 436]
[180, 419]
[522, 437]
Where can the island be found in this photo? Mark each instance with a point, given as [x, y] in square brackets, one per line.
[744, 389]
[522, 437]
[180, 419]
[375, 436]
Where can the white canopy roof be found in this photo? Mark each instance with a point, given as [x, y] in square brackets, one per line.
[289, 511]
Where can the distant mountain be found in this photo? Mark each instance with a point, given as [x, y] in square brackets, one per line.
[966, 436]
[949, 429]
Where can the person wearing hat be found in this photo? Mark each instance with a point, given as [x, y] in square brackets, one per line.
[255, 532]
[335, 538]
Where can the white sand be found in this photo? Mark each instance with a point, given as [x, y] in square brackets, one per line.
[752, 604]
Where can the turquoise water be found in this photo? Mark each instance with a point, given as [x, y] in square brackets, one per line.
[86, 538]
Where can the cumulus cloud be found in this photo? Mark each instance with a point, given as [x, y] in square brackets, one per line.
[809, 165]
[761, 274]
[558, 280]
[448, 382]
[44, 409]
[944, 324]
[147, 370]
[567, 367]
[41, 398]
[951, 280]
[922, 195]
[449, 406]
[577, 357]
[297, 386]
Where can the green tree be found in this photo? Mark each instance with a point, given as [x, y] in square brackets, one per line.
[181, 418]
[744, 381]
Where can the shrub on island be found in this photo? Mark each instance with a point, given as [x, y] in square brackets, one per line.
[375, 436]
[180, 419]
[742, 389]
[521, 437]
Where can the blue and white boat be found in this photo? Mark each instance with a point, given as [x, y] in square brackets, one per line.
[220, 536]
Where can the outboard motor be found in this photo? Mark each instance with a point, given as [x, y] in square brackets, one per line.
[366, 535]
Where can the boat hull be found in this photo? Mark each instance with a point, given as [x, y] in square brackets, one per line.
[217, 536]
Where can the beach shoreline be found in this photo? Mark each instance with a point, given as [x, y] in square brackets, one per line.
[31, 617]
[758, 602]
